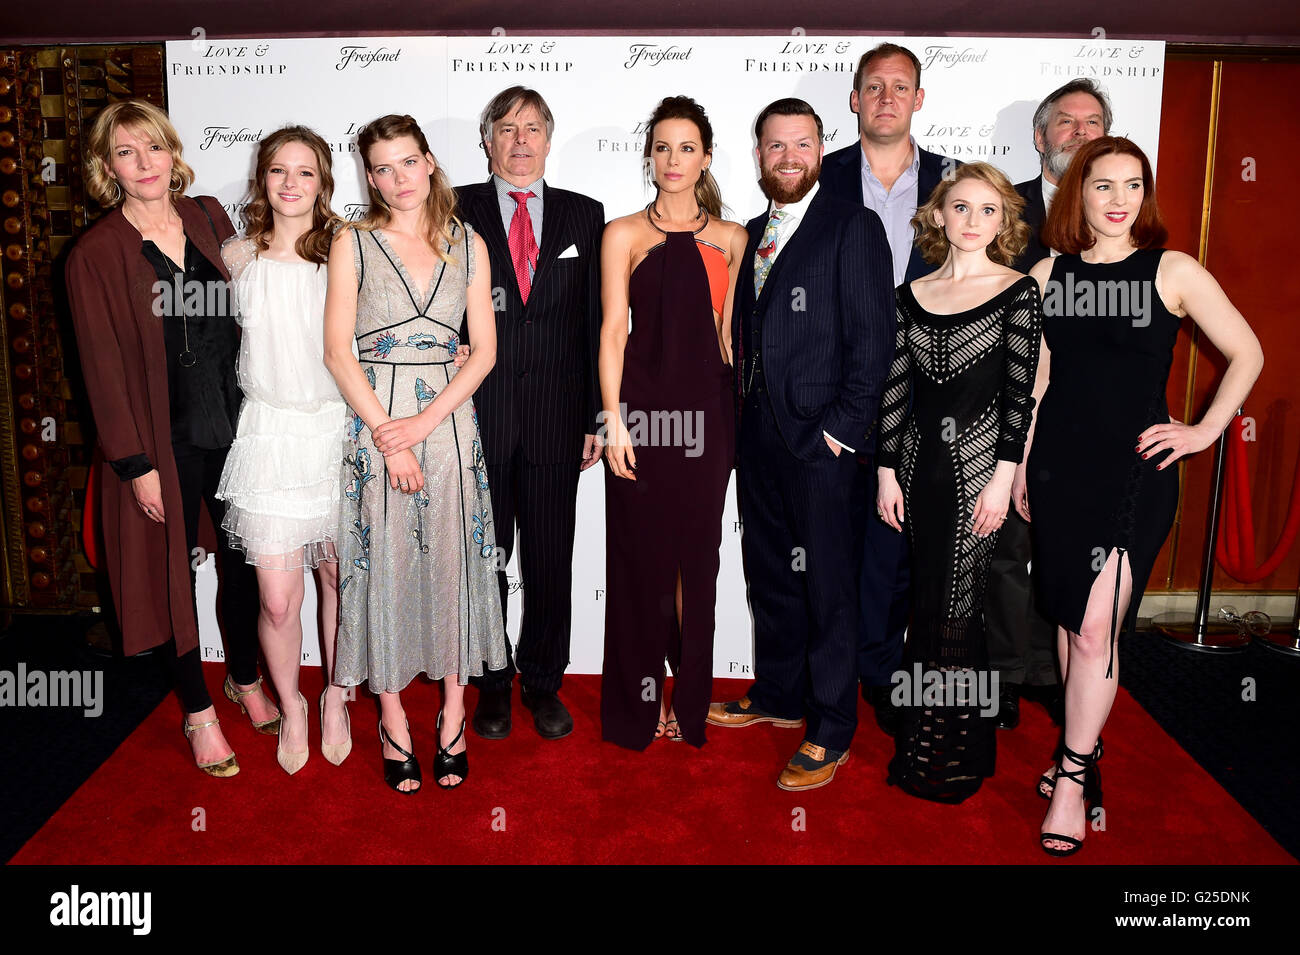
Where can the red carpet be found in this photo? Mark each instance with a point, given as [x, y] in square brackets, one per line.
[580, 800]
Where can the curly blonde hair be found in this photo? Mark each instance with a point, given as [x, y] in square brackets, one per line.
[144, 119]
[1013, 233]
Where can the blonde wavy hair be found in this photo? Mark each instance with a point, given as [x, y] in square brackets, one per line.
[439, 207]
[1013, 234]
[144, 119]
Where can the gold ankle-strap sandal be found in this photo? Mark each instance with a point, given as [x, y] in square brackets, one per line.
[269, 727]
[222, 768]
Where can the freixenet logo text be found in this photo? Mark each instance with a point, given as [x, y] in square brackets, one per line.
[365, 56]
[227, 136]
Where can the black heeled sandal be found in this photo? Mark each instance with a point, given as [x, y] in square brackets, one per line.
[445, 764]
[397, 771]
[1050, 782]
[1089, 777]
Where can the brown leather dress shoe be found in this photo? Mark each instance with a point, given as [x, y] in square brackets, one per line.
[812, 767]
[742, 712]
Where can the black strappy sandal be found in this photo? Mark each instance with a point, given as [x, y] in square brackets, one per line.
[397, 771]
[1050, 782]
[1087, 776]
[445, 764]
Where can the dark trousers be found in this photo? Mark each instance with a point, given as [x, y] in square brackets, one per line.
[542, 499]
[885, 595]
[200, 473]
[802, 547]
[1022, 642]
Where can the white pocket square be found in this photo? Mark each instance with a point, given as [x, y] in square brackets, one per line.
[570, 253]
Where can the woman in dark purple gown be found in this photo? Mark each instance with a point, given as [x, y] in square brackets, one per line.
[669, 434]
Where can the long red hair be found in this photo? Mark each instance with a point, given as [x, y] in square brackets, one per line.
[1066, 229]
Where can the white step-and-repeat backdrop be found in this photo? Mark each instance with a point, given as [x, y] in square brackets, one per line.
[980, 96]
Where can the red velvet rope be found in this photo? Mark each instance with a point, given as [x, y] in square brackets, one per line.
[1236, 547]
[89, 514]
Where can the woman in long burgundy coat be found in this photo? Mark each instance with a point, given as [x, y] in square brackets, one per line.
[149, 298]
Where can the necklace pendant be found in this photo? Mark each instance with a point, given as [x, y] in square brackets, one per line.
[187, 359]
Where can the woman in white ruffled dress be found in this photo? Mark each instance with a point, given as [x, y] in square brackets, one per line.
[281, 483]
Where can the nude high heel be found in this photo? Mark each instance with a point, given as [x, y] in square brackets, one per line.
[334, 752]
[292, 762]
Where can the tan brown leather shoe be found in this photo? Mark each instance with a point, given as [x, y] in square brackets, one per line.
[742, 712]
[812, 767]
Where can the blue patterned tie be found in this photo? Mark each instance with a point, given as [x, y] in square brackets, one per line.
[765, 253]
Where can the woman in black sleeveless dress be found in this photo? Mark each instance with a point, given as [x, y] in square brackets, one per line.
[1098, 475]
[669, 434]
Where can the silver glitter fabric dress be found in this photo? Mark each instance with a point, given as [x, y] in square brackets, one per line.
[417, 576]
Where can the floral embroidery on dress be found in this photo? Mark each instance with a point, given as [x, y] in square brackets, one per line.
[384, 344]
[481, 524]
[362, 534]
[422, 341]
[423, 392]
[478, 468]
[360, 463]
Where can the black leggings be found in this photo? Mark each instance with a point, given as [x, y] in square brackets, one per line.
[200, 473]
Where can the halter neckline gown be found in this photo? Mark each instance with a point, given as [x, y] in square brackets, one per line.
[670, 518]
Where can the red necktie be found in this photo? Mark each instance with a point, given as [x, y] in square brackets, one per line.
[523, 244]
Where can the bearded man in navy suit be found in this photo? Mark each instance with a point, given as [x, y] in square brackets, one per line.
[812, 335]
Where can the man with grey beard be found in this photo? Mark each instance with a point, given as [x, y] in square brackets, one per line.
[1021, 641]
[1066, 119]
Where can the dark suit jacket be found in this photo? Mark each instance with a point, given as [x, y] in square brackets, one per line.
[827, 325]
[544, 391]
[1035, 215]
[842, 175]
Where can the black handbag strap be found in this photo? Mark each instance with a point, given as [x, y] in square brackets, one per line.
[208, 216]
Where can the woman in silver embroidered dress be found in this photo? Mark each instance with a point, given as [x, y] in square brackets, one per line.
[417, 569]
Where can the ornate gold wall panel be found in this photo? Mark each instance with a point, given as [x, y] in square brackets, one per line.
[48, 98]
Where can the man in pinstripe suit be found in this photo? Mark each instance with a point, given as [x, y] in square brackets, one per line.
[812, 339]
[537, 407]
